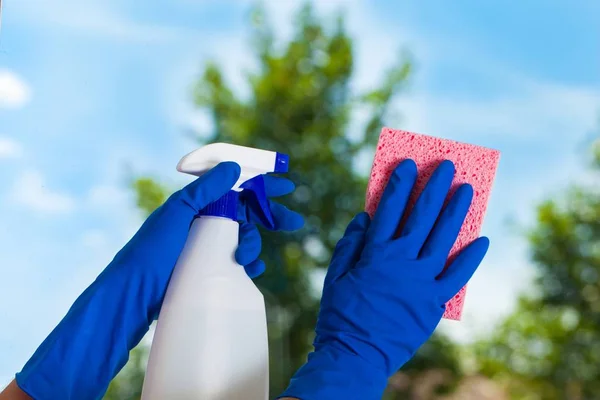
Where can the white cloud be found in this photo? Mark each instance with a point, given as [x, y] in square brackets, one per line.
[114, 205]
[14, 91]
[538, 110]
[105, 195]
[9, 148]
[94, 239]
[104, 22]
[201, 122]
[280, 14]
[117, 206]
[178, 101]
[31, 191]
[97, 18]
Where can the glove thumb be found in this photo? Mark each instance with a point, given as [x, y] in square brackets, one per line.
[209, 187]
[348, 249]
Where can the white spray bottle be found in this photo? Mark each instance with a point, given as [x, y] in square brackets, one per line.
[211, 338]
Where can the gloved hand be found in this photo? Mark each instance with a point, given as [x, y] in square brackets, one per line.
[383, 296]
[91, 344]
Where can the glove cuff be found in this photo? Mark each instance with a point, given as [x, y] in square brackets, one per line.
[334, 374]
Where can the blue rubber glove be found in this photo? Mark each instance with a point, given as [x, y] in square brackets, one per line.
[250, 239]
[91, 344]
[383, 295]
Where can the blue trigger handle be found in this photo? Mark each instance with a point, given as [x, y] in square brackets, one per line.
[254, 197]
[251, 200]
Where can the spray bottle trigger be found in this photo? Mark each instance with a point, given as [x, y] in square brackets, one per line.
[254, 194]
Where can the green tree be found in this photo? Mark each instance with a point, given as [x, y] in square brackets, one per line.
[300, 103]
[128, 384]
[435, 371]
[550, 347]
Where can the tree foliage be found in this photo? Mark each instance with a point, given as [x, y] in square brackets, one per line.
[300, 102]
[128, 383]
[550, 347]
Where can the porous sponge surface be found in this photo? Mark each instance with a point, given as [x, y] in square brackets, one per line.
[475, 165]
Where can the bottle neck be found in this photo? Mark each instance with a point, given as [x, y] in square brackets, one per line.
[225, 207]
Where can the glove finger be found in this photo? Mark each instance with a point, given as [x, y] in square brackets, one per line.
[393, 202]
[277, 186]
[462, 268]
[255, 268]
[209, 187]
[250, 244]
[348, 249]
[286, 219]
[448, 226]
[427, 208]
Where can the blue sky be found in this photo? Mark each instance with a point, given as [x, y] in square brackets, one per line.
[90, 87]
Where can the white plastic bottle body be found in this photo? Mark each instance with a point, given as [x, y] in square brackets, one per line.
[211, 339]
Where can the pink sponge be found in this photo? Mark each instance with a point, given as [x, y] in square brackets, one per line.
[474, 164]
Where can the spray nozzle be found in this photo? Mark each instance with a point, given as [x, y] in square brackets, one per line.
[250, 189]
